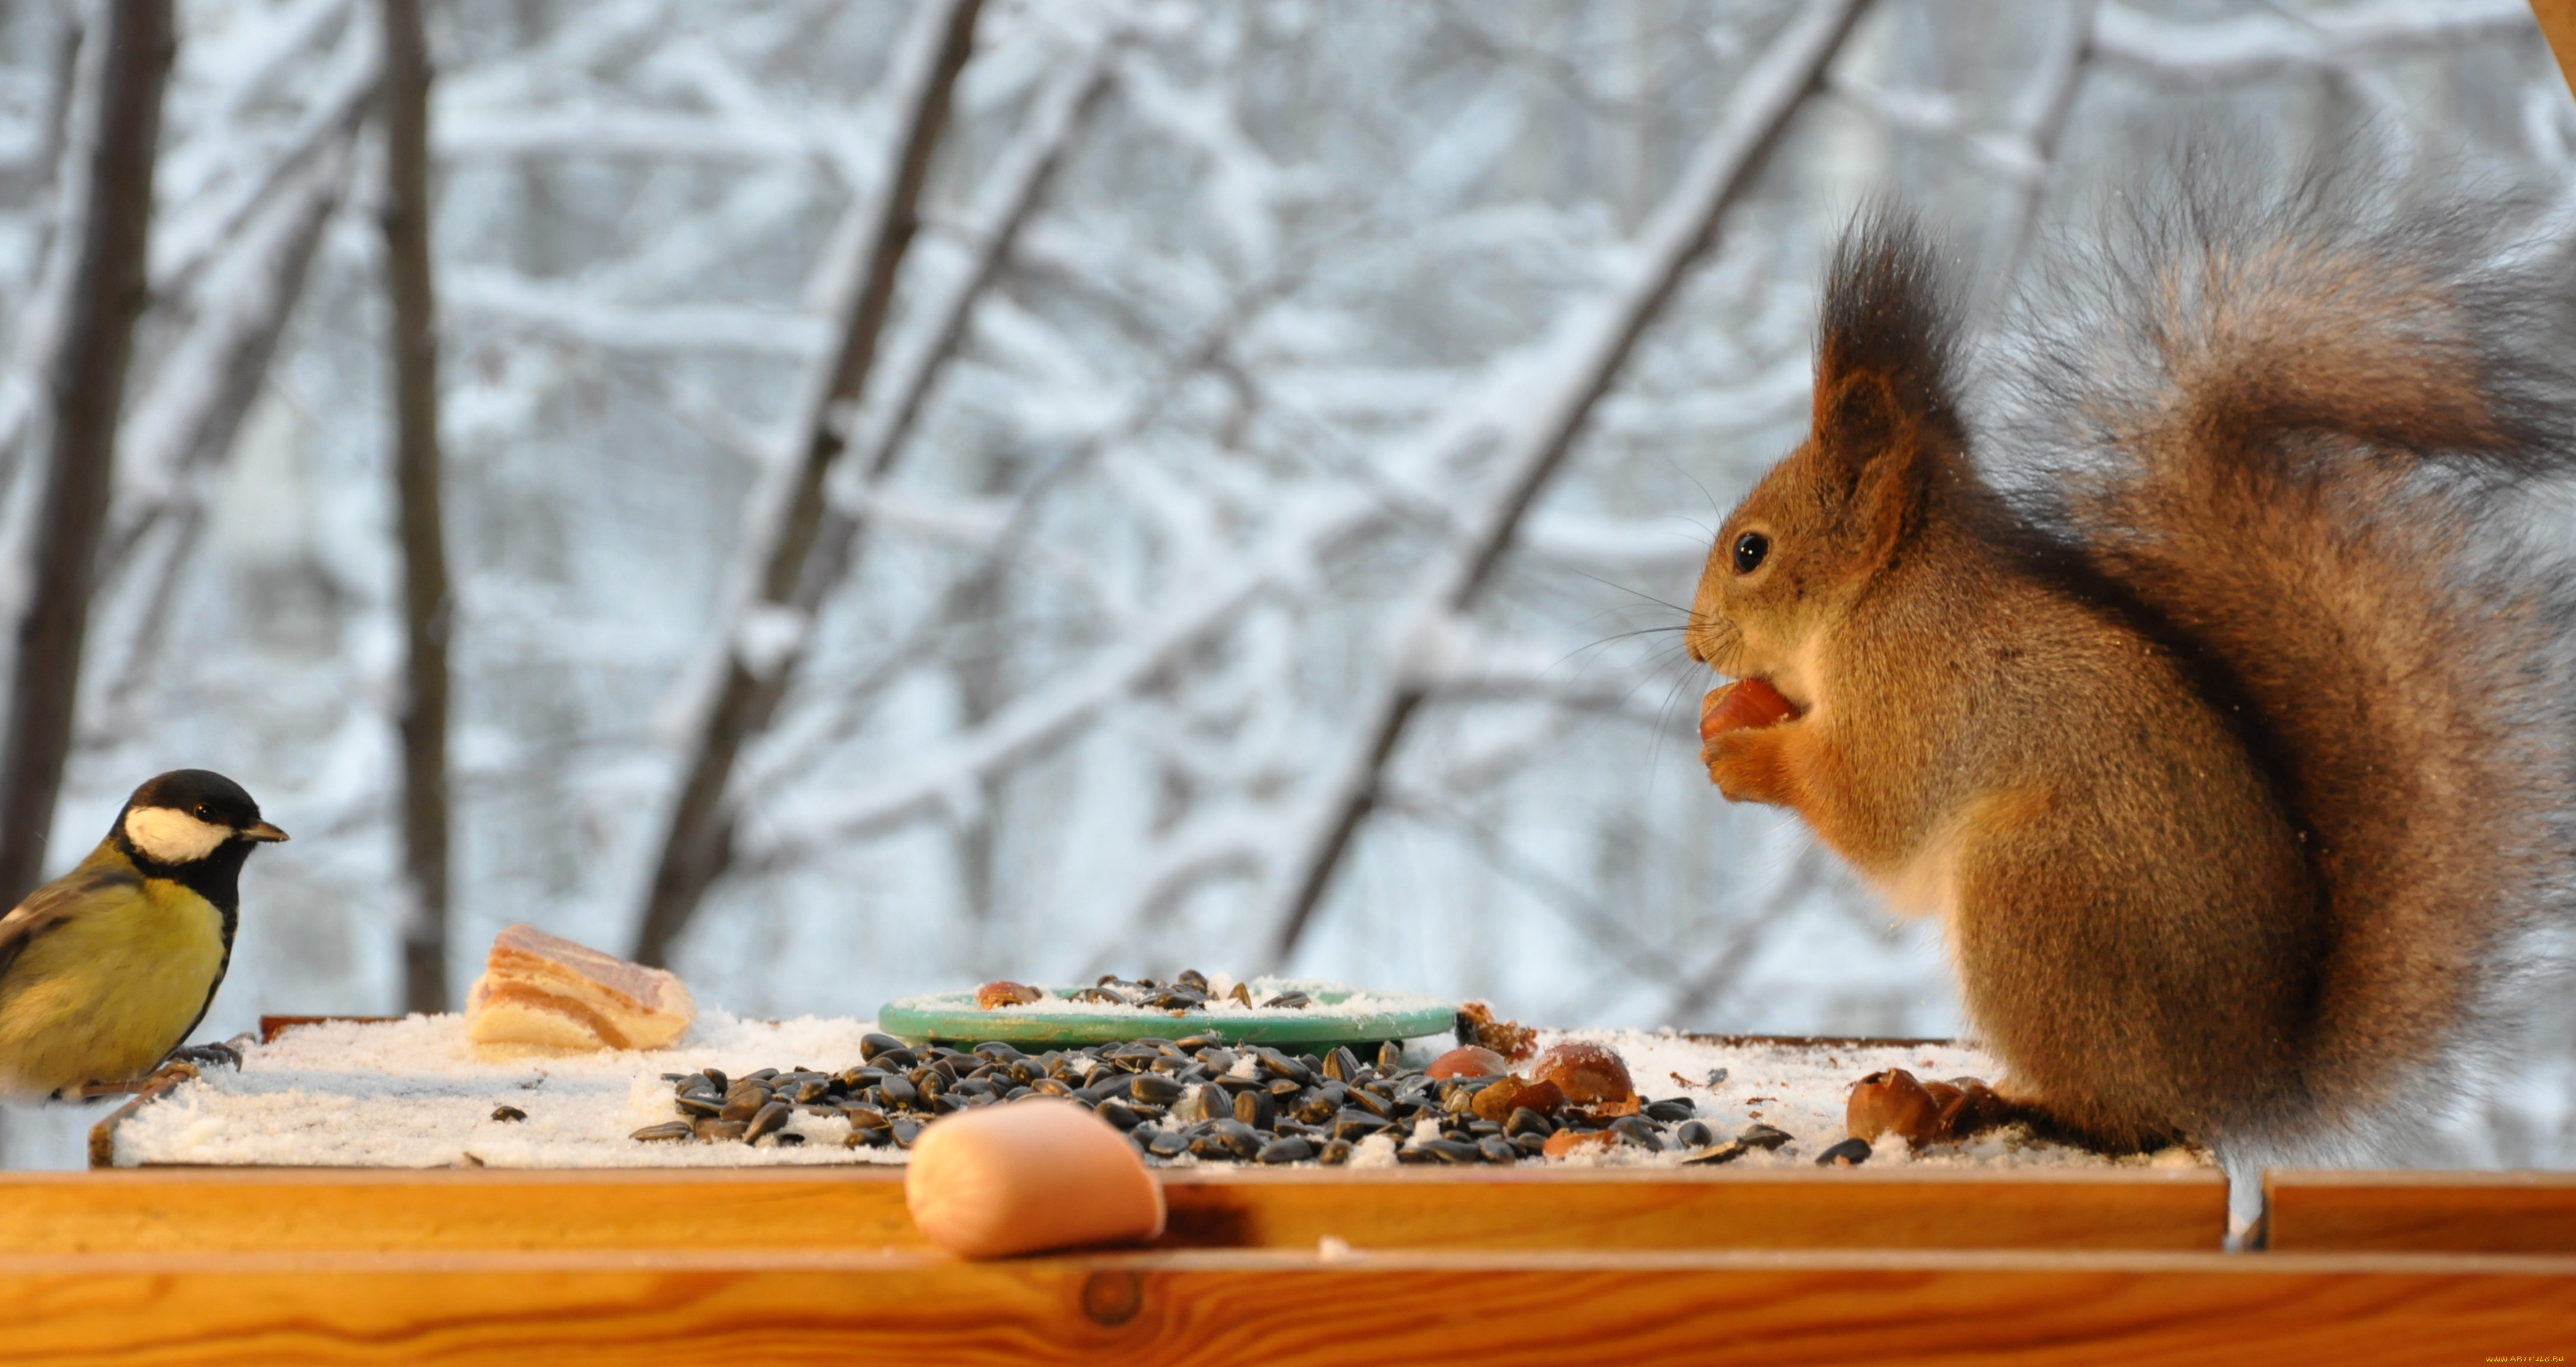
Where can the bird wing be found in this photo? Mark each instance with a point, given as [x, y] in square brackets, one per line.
[55, 903]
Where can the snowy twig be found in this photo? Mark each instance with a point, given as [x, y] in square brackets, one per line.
[2249, 43]
[790, 838]
[88, 391]
[1722, 971]
[208, 379]
[563, 311]
[696, 842]
[1598, 925]
[198, 231]
[73, 97]
[207, 385]
[1012, 194]
[1667, 244]
[2059, 82]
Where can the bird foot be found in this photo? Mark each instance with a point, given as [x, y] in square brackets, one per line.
[217, 1055]
[92, 1091]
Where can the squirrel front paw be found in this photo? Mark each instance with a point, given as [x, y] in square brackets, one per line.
[1740, 731]
[1748, 766]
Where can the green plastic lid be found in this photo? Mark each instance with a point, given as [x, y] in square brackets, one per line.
[1339, 1015]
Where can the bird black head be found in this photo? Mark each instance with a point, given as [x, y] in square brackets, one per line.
[186, 815]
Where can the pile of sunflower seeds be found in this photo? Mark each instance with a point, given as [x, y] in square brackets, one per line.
[1186, 991]
[1194, 1096]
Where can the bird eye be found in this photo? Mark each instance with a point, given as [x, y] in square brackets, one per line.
[206, 813]
[1749, 550]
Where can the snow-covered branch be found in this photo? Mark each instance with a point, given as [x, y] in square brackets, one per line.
[2247, 43]
[1595, 350]
[766, 632]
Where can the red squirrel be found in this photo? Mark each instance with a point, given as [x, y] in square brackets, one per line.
[2211, 696]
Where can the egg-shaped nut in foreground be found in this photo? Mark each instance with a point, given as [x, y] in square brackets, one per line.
[1744, 705]
[1469, 1060]
[1587, 1074]
[1892, 1102]
[1036, 1174]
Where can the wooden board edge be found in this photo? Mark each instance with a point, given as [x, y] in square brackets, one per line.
[1285, 1309]
[2558, 24]
[102, 1136]
[2417, 1179]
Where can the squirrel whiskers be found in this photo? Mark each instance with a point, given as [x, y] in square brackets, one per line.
[2209, 691]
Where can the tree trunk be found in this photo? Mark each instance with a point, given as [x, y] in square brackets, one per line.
[87, 384]
[426, 604]
[694, 847]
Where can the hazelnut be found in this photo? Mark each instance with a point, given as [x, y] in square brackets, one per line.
[1892, 1102]
[1587, 1074]
[1497, 1102]
[1469, 1060]
[1971, 1108]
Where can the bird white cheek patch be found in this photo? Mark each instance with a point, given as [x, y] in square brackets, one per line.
[171, 836]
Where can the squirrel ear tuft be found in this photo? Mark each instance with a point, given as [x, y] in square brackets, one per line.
[1890, 314]
[1859, 414]
[1883, 383]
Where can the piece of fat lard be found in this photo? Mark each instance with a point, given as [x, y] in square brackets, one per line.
[543, 989]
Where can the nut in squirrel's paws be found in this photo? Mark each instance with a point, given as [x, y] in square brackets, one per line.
[1744, 705]
[1741, 741]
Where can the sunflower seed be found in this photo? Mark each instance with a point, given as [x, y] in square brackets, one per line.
[1850, 1153]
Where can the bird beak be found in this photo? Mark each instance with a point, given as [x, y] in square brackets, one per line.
[261, 830]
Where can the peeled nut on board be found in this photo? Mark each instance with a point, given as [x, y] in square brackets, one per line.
[1511, 1039]
[1968, 1107]
[1034, 1174]
[1587, 1074]
[1920, 1113]
[1892, 1102]
[992, 996]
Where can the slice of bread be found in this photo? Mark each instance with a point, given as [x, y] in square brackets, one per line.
[543, 989]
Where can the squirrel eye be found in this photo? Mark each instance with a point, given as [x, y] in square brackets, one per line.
[1749, 550]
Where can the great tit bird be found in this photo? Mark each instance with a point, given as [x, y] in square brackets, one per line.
[105, 970]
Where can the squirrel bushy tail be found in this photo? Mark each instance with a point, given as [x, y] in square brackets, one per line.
[2301, 428]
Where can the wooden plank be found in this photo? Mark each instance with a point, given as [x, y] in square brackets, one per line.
[175, 1210]
[214, 1210]
[2558, 24]
[1285, 1309]
[2327, 1211]
[2179, 1209]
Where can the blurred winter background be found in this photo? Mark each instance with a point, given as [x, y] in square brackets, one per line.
[1256, 539]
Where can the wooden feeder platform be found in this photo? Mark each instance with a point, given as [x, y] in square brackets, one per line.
[1453, 1265]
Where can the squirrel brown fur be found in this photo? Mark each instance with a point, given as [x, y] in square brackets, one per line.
[2208, 687]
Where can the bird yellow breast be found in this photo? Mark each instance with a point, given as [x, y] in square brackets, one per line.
[104, 996]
